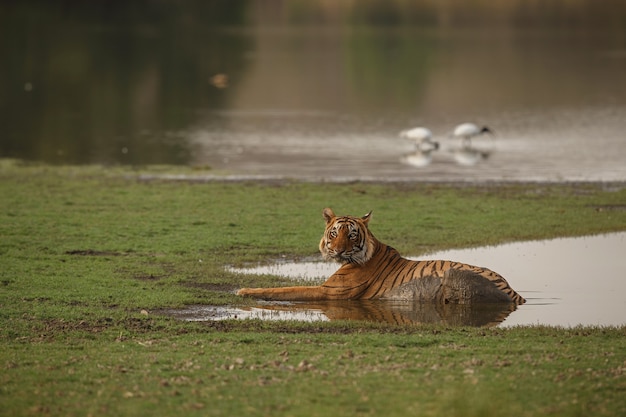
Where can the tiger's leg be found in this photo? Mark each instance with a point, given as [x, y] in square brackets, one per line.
[290, 293]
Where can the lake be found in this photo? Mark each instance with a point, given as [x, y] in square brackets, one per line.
[318, 90]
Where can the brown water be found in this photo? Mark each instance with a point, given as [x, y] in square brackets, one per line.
[317, 90]
[567, 282]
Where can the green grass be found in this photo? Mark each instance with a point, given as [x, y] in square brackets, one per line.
[155, 369]
[84, 249]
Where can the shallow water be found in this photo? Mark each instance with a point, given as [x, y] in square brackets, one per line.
[567, 282]
[318, 90]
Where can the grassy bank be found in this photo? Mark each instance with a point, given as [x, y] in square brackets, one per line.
[85, 250]
[150, 368]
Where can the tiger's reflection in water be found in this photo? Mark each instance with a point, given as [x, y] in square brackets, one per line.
[400, 312]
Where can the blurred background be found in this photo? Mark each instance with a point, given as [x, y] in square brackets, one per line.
[318, 89]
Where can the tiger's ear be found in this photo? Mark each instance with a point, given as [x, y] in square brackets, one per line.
[329, 215]
[367, 217]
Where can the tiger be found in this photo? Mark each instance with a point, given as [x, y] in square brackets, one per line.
[372, 270]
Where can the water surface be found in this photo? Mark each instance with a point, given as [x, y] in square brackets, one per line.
[317, 90]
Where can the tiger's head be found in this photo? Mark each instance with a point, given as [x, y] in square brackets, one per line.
[347, 239]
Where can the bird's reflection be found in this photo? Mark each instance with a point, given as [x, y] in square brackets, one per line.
[418, 158]
[470, 154]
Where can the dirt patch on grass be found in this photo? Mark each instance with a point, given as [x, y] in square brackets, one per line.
[92, 252]
[150, 277]
[610, 207]
[48, 330]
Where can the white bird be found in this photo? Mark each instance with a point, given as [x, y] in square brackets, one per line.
[417, 134]
[422, 137]
[466, 131]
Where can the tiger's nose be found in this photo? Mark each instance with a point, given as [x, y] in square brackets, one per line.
[341, 250]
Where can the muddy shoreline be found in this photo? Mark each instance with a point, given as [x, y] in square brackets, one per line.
[280, 180]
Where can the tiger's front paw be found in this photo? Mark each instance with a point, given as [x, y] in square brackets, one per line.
[244, 291]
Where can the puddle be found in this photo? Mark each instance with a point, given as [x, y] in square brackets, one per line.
[566, 282]
[312, 272]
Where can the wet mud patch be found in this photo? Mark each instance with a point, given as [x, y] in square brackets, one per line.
[262, 312]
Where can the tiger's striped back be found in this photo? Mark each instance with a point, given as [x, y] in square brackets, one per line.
[498, 280]
[437, 268]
